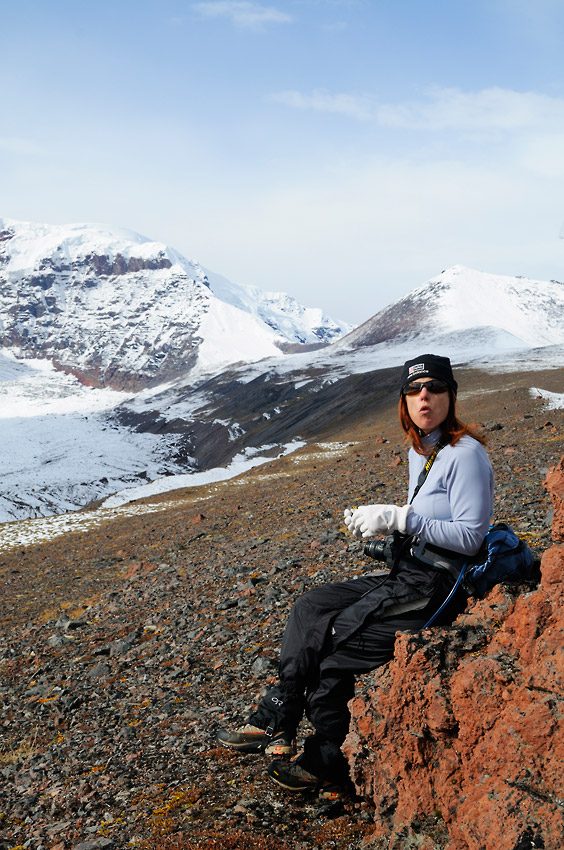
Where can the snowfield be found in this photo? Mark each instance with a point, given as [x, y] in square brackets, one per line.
[60, 449]
[27, 532]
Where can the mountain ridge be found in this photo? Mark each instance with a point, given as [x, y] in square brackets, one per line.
[68, 445]
[460, 299]
[119, 310]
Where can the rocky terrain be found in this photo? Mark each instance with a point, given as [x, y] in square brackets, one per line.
[124, 648]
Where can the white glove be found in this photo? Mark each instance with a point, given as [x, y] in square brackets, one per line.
[371, 520]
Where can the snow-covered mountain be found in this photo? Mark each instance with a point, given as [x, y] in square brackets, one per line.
[518, 313]
[477, 319]
[121, 311]
[66, 444]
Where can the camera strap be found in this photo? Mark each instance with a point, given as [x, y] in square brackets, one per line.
[440, 444]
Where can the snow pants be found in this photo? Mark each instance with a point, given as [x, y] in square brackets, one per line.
[317, 672]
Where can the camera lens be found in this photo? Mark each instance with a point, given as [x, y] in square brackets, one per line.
[375, 549]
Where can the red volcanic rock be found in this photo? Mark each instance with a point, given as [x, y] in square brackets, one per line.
[459, 741]
[554, 483]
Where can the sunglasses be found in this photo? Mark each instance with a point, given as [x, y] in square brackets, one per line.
[434, 387]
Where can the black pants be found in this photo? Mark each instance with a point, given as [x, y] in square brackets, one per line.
[318, 677]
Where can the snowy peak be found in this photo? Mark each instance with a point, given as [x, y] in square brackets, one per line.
[529, 312]
[298, 324]
[532, 310]
[123, 311]
[32, 245]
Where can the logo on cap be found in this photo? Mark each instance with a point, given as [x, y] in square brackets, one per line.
[416, 368]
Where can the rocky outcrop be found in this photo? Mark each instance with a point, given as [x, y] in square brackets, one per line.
[554, 483]
[398, 321]
[459, 741]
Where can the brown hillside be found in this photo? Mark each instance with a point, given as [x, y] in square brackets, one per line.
[125, 646]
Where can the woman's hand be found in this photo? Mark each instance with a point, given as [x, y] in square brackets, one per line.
[371, 520]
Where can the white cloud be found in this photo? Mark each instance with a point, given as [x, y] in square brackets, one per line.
[493, 109]
[243, 14]
[353, 106]
[489, 109]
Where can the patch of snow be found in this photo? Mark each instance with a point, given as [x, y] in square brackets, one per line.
[296, 322]
[530, 310]
[230, 335]
[32, 242]
[479, 348]
[553, 401]
[240, 463]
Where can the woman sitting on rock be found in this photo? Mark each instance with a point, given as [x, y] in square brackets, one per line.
[336, 631]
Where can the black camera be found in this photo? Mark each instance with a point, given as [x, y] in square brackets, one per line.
[385, 550]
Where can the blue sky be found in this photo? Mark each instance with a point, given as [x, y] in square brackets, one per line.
[343, 151]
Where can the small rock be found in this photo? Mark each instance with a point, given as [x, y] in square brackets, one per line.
[261, 665]
[100, 843]
[99, 670]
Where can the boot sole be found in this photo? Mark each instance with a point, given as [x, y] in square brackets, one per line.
[253, 748]
[331, 793]
[298, 788]
[280, 750]
[330, 796]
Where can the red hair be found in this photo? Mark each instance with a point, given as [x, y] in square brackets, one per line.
[452, 427]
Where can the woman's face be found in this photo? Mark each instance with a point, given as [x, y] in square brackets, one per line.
[428, 410]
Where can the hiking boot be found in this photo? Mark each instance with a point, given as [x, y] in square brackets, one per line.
[291, 776]
[251, 739]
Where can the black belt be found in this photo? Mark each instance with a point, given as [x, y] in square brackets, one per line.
[438, 558]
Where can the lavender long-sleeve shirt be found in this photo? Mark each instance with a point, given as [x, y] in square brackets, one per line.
[454, 507]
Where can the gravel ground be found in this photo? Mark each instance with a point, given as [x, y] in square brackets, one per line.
[124, 649]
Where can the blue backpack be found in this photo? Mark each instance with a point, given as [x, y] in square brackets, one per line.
[508, 559]
[502, 558]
